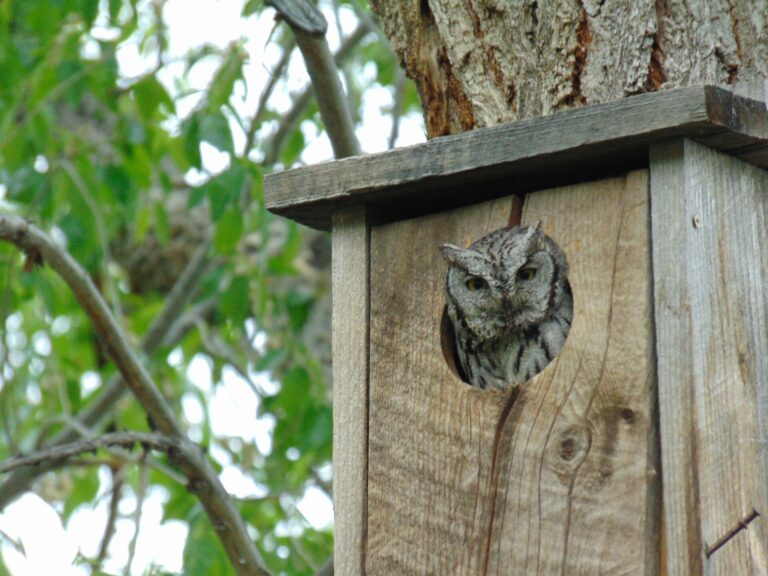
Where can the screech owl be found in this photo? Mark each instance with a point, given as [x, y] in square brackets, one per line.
[510, 304]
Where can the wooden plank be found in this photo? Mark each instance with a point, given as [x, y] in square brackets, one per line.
[710, 259]
[565, 481]
[350, 387]
[567, 147]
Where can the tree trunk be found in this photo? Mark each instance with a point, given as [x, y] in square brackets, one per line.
[478, 63]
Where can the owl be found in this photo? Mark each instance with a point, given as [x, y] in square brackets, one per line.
[510, 304]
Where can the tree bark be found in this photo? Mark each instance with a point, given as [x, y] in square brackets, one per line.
[478, 63]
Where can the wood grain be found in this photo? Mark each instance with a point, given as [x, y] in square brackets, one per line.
[572, 146]
[710, 261]
[562, 481]
[350, 388]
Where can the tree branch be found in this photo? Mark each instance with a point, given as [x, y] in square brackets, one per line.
[301, 15]
[291, 118]
[109, 527]
[162, 331]
[202, 478]
[57, 454]
[319, 61]
[39, 248]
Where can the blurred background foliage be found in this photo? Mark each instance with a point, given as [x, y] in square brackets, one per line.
[117, 167]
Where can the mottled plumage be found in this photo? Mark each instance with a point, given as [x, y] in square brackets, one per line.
[510, 305]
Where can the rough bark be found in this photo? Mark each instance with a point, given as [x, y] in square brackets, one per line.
[478, 63]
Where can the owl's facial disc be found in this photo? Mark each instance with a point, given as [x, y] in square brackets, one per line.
[527, 290]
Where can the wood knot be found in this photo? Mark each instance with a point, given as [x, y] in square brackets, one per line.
[628, 415]
[568, 450]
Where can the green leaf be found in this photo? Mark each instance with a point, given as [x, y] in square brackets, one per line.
[215, 130]
[235, 302]
[85, 486]
[224, 188]
[316, 429]
[118, 181]
[190, 131]
[150, 94]
[252, 6]
[139, 165]
[114, 10]
[293, 148]
[299, 305]
[90, 9]
[73, 394]
[162, 226]
[223, 82]
[229, 230]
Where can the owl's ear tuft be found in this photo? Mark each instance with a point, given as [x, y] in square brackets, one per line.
[464, 258]
[451, 253]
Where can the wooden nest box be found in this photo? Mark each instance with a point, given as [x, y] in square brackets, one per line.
[643, 447]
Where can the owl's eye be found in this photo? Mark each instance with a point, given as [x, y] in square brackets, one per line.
[526, 274]
[476, 283]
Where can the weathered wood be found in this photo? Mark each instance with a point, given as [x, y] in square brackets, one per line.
[577, 145]
[564, 482]
[350, 387]
[710, 263]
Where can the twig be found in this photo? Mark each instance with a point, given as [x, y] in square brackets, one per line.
[109, 527]
[203, 480]
[162, 331]
[274, 77]
[141, 494]
[123, 439]
[216, 347]
[189, 320]
[331, 100]
[180, 294]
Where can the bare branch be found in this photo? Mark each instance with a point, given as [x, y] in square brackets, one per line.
[109, 527]
[189, 320]
[300, 103]
[331, 99]
[123, 439]
[202, 478]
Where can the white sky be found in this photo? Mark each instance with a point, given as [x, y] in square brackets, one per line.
[34, 542]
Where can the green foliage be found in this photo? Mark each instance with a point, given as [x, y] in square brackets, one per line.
[102, 160]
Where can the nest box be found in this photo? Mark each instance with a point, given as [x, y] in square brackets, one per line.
[643, 447]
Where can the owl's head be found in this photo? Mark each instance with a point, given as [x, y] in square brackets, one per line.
[509, 280]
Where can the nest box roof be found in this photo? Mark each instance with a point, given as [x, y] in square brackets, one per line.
[575, 145]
